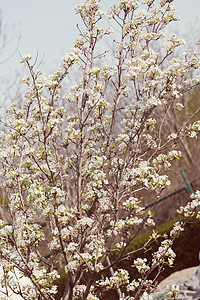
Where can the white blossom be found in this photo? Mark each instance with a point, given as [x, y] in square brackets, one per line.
[76, 161]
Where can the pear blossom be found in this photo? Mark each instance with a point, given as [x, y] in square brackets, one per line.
[76, 160]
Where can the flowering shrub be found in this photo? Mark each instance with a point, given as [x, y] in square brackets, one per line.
[79, 168]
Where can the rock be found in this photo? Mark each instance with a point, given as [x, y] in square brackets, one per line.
[188, 289]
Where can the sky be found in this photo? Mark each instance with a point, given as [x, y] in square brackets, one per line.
[48, 27]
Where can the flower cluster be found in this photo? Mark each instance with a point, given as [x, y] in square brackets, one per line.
[120, 278]
[164, 252]
[191, 208]
[140, 264]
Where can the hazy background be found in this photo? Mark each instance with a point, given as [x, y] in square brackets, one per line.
[49, 28]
